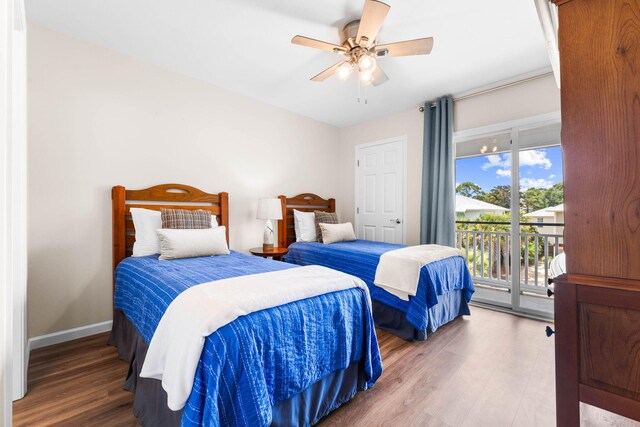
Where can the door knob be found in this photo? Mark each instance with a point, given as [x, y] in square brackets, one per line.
[549, 331]
[397, 220]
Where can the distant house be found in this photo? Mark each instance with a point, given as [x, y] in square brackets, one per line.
[472, 208]
[551, 215]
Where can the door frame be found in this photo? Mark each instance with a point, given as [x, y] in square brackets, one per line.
[402, 139]
[19, 201]
[13, 217]
[6, 298]
[514, 126]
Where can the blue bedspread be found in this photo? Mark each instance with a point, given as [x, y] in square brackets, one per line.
[258, 360]
[360, 258]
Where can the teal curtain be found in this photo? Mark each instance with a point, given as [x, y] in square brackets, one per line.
[437, 218]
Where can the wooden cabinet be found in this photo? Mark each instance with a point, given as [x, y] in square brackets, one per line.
[597, 346]
[600, 94]
[597, 305]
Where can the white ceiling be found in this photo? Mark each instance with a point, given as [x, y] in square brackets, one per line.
[244, 46]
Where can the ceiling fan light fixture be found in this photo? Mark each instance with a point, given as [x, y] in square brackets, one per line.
[360, 49]
[366, 76]
[367, 63]
[344, 71]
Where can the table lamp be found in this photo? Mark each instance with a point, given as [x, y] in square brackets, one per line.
[268, 209]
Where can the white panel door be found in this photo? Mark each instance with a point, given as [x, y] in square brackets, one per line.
[380, 191]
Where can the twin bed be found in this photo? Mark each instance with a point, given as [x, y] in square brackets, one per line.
[288, 364]
[444, 289]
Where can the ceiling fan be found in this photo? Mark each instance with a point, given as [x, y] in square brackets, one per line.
[359, 45]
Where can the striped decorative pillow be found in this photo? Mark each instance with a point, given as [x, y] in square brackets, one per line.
[324, 218]
[185, 218]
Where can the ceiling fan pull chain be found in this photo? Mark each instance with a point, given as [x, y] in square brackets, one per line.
[363, 93]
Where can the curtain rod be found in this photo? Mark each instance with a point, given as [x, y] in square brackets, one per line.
[491, 89]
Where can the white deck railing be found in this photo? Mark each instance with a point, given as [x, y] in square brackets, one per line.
[489, 259]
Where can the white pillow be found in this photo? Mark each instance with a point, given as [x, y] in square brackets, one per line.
[304, 224]
[332, 233]
[146, 222]
[181, 243]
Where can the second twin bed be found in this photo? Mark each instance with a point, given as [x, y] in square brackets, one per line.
[444, 288]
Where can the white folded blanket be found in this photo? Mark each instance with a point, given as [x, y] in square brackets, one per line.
[398, 271]
[199, 311]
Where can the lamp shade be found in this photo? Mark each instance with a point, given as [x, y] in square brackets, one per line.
[269, 209]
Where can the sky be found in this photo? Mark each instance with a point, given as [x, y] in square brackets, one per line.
[540, 168]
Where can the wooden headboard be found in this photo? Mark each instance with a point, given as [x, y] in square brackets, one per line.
[306, 202]
[174, 196]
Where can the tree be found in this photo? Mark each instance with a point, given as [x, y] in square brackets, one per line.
[533, 199]
[470, 189]
[500, 195]
[554, 195]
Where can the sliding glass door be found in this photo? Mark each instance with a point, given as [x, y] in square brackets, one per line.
[512, 239]
[483, 206]
[541, 219]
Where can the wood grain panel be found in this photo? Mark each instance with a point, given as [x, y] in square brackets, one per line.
[610, 349]
[305, 202]
[215, 210]
[118, 200]
[600, 92]
[610, 297]
[586, 282]
[599, 45]
[615, 403]
[567, 359]
[173, 193]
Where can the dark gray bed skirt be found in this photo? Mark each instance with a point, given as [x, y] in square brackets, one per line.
[150, 399]
[395, 321]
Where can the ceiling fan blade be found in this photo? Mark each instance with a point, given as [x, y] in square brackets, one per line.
[379, 77]
[327, 73]
[373, 15]
[406, 48]
[317, 44]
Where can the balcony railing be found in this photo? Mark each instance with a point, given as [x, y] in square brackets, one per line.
[489, 254]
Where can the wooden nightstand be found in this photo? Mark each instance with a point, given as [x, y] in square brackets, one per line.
[276, 254]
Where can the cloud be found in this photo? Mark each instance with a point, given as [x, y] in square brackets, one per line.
[530, 158]
[552, 176]
[503, 173]
[527, 158]
[497, 160]
[500, 161]
[526, 183]
[535, 158]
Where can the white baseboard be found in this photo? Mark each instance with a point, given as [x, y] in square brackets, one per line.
[68, 335]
